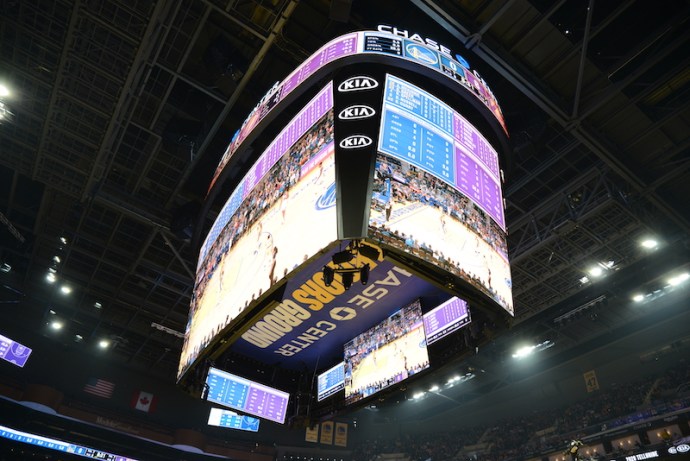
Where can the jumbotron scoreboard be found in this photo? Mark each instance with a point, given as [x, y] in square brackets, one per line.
[361, 222]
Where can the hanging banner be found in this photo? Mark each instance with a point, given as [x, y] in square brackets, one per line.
[312, 434]
[341, 434]
[327, 433]
[591, 381]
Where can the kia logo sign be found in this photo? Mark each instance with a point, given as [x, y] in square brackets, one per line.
[359, 83]
[356, 112]
[355, 141]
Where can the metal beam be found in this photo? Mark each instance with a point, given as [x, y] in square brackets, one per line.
[525, 83]
[583, 59]
[253, 66]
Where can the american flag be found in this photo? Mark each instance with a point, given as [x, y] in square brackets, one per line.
[99, 387]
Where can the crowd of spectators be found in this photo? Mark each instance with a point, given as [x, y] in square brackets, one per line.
[544, 432]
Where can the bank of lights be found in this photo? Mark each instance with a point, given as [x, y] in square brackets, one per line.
[65, 289]
[526, 351]
[103, 343]
[649, 244]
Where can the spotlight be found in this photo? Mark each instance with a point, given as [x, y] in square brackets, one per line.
[65, 289]
[56, 325]
[342, 257]
[348, 277]
[103, 343]
[364, 274]
[369, 252]
[328, 275]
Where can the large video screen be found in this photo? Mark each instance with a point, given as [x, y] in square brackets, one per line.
[246, 396]
[382, 42]
[437, 191]
[445, 319]
[386, 354]
[330, 381]
[282, 213]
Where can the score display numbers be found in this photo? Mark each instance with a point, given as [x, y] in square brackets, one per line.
[58, 445]
[445, 319]
[330, 381]
[13, 352]
[230, 419]
[246, 396]
[420, 129]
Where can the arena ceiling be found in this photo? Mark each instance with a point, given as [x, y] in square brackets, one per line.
[120, 110]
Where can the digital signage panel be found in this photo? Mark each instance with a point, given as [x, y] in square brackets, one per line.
[226, 418]
[14, 352]
[386, 354]
[49, 443]
[246, 396]
[437, 191]
[330, 381]
[445, 319]
[288, 192]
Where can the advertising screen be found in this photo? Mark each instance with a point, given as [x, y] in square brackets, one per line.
[252, 245]
[437, 191]
[445, 319]
[246, 396]
[386, 354]
[13, 352]
[230, 419]
[330, 381]
[58, 445]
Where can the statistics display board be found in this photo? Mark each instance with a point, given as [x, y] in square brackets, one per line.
[246, 396]
[437, 191]
[330, 381]
[422, 130]
[290, 190]
[386, 354]
[226, 418]
[445, 319]
[59, 445]
[381, 42]
[13, 352]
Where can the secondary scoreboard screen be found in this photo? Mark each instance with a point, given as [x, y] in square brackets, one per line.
[14, 352]
[226, 418]
[246, 396]
[437, 190]
[386, 354]
[288, 192]
[330, 381]
[445, 319]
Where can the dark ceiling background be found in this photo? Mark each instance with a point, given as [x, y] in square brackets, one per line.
[120, 111]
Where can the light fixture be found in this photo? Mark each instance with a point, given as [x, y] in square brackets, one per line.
[66, 289]
[51, 277]
[348, 278]
[523, 352]
[56, 259]
[649, 243]
[52, 312]
[433, 388]
[103, 343]
[56, 325]
[63, 240]
[78, 338]
[4, 91]
[97, 305]
[364, 274]
[342, 257]
[328, 275]
[678, 279]
[638, 297]
[596, 271]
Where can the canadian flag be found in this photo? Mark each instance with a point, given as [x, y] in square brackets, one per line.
[144, 401]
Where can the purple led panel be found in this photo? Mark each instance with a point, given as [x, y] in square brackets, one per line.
[247, 396]
[13, 352]
[445, 319]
